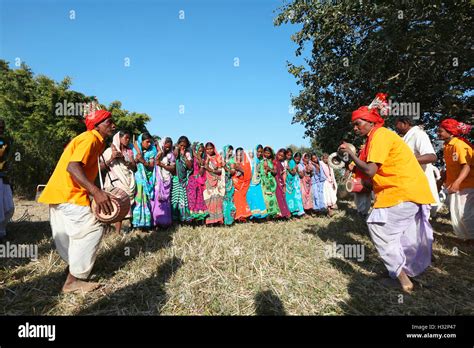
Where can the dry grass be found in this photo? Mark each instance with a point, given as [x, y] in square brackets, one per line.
[247, 269]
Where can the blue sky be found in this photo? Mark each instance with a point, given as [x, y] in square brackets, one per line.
[173, 62]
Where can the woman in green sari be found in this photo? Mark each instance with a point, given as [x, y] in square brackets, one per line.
[179, 197]
[229, 167]
[268, 182]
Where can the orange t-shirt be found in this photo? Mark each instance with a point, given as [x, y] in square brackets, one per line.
[457, 153]
[61, 187]
[399, 177]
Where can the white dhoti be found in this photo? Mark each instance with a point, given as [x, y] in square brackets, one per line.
[461, 206]
[7, 207]
[403, 237]
[77, 234]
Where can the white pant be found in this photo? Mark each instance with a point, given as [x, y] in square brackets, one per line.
[77, 234]
[461, 206]
[403, 237]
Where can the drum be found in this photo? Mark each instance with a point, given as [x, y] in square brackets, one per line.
[121, 206]
[336, 159]
[355, 185]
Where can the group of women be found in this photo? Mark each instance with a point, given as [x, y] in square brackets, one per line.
[195, 183]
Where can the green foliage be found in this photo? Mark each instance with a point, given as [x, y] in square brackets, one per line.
[39, 129]
[416, 51]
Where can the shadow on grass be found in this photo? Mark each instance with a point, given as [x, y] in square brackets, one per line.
[27, 233]
[146, 297]
[268, 303]
[110, 261]
[37, 295]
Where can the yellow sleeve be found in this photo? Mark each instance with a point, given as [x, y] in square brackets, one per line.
[464, 153]
[82, 151]
[379, 148]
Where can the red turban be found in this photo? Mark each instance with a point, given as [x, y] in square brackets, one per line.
[367, 114]
[96, 117]
[454, 127]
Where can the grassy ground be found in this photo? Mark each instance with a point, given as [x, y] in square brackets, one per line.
[255, 268]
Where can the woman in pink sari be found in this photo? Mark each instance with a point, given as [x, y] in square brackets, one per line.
[197, 184]
[280, 178]
[305, 171]
[215, 185]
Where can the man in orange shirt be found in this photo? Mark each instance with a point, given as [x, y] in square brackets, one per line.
[76, 231]
[398, 224]
[459, 159]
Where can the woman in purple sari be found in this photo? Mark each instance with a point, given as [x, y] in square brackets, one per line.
[165, 168]
[280, 178]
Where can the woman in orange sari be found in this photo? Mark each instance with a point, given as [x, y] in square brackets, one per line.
[241, 180]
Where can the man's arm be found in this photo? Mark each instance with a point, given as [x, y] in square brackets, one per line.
[427, 158]
[454, 187]
[101, 198]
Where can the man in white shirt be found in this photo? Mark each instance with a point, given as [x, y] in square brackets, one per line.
[419, 142]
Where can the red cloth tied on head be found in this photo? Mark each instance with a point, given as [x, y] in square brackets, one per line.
[457, 129]
[367, 114]
[454, 127]
[96, 117]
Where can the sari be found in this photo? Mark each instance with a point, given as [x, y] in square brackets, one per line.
[241, 185]
[179, 196]
[145, 181]
[269, 187]
[119, 174]
[317, 182]
[280, 189]
[329, 186]
[161, 204]
[214, 191]
[293, 191]
[228, 204]
[306, 186]
[195, 189]
[255, 195]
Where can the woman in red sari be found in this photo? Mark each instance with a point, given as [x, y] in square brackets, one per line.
[241, 180]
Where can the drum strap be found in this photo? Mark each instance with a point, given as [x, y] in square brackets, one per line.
[108, 172]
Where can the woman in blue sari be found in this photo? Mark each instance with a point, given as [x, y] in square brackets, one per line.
[293, 189]
[229, 167]
[255, 195]
[144, 151]
[317, 180]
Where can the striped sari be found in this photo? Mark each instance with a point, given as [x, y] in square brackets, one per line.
[179, 197]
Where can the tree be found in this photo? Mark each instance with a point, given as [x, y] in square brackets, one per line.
[40, 126]
[417, 52]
